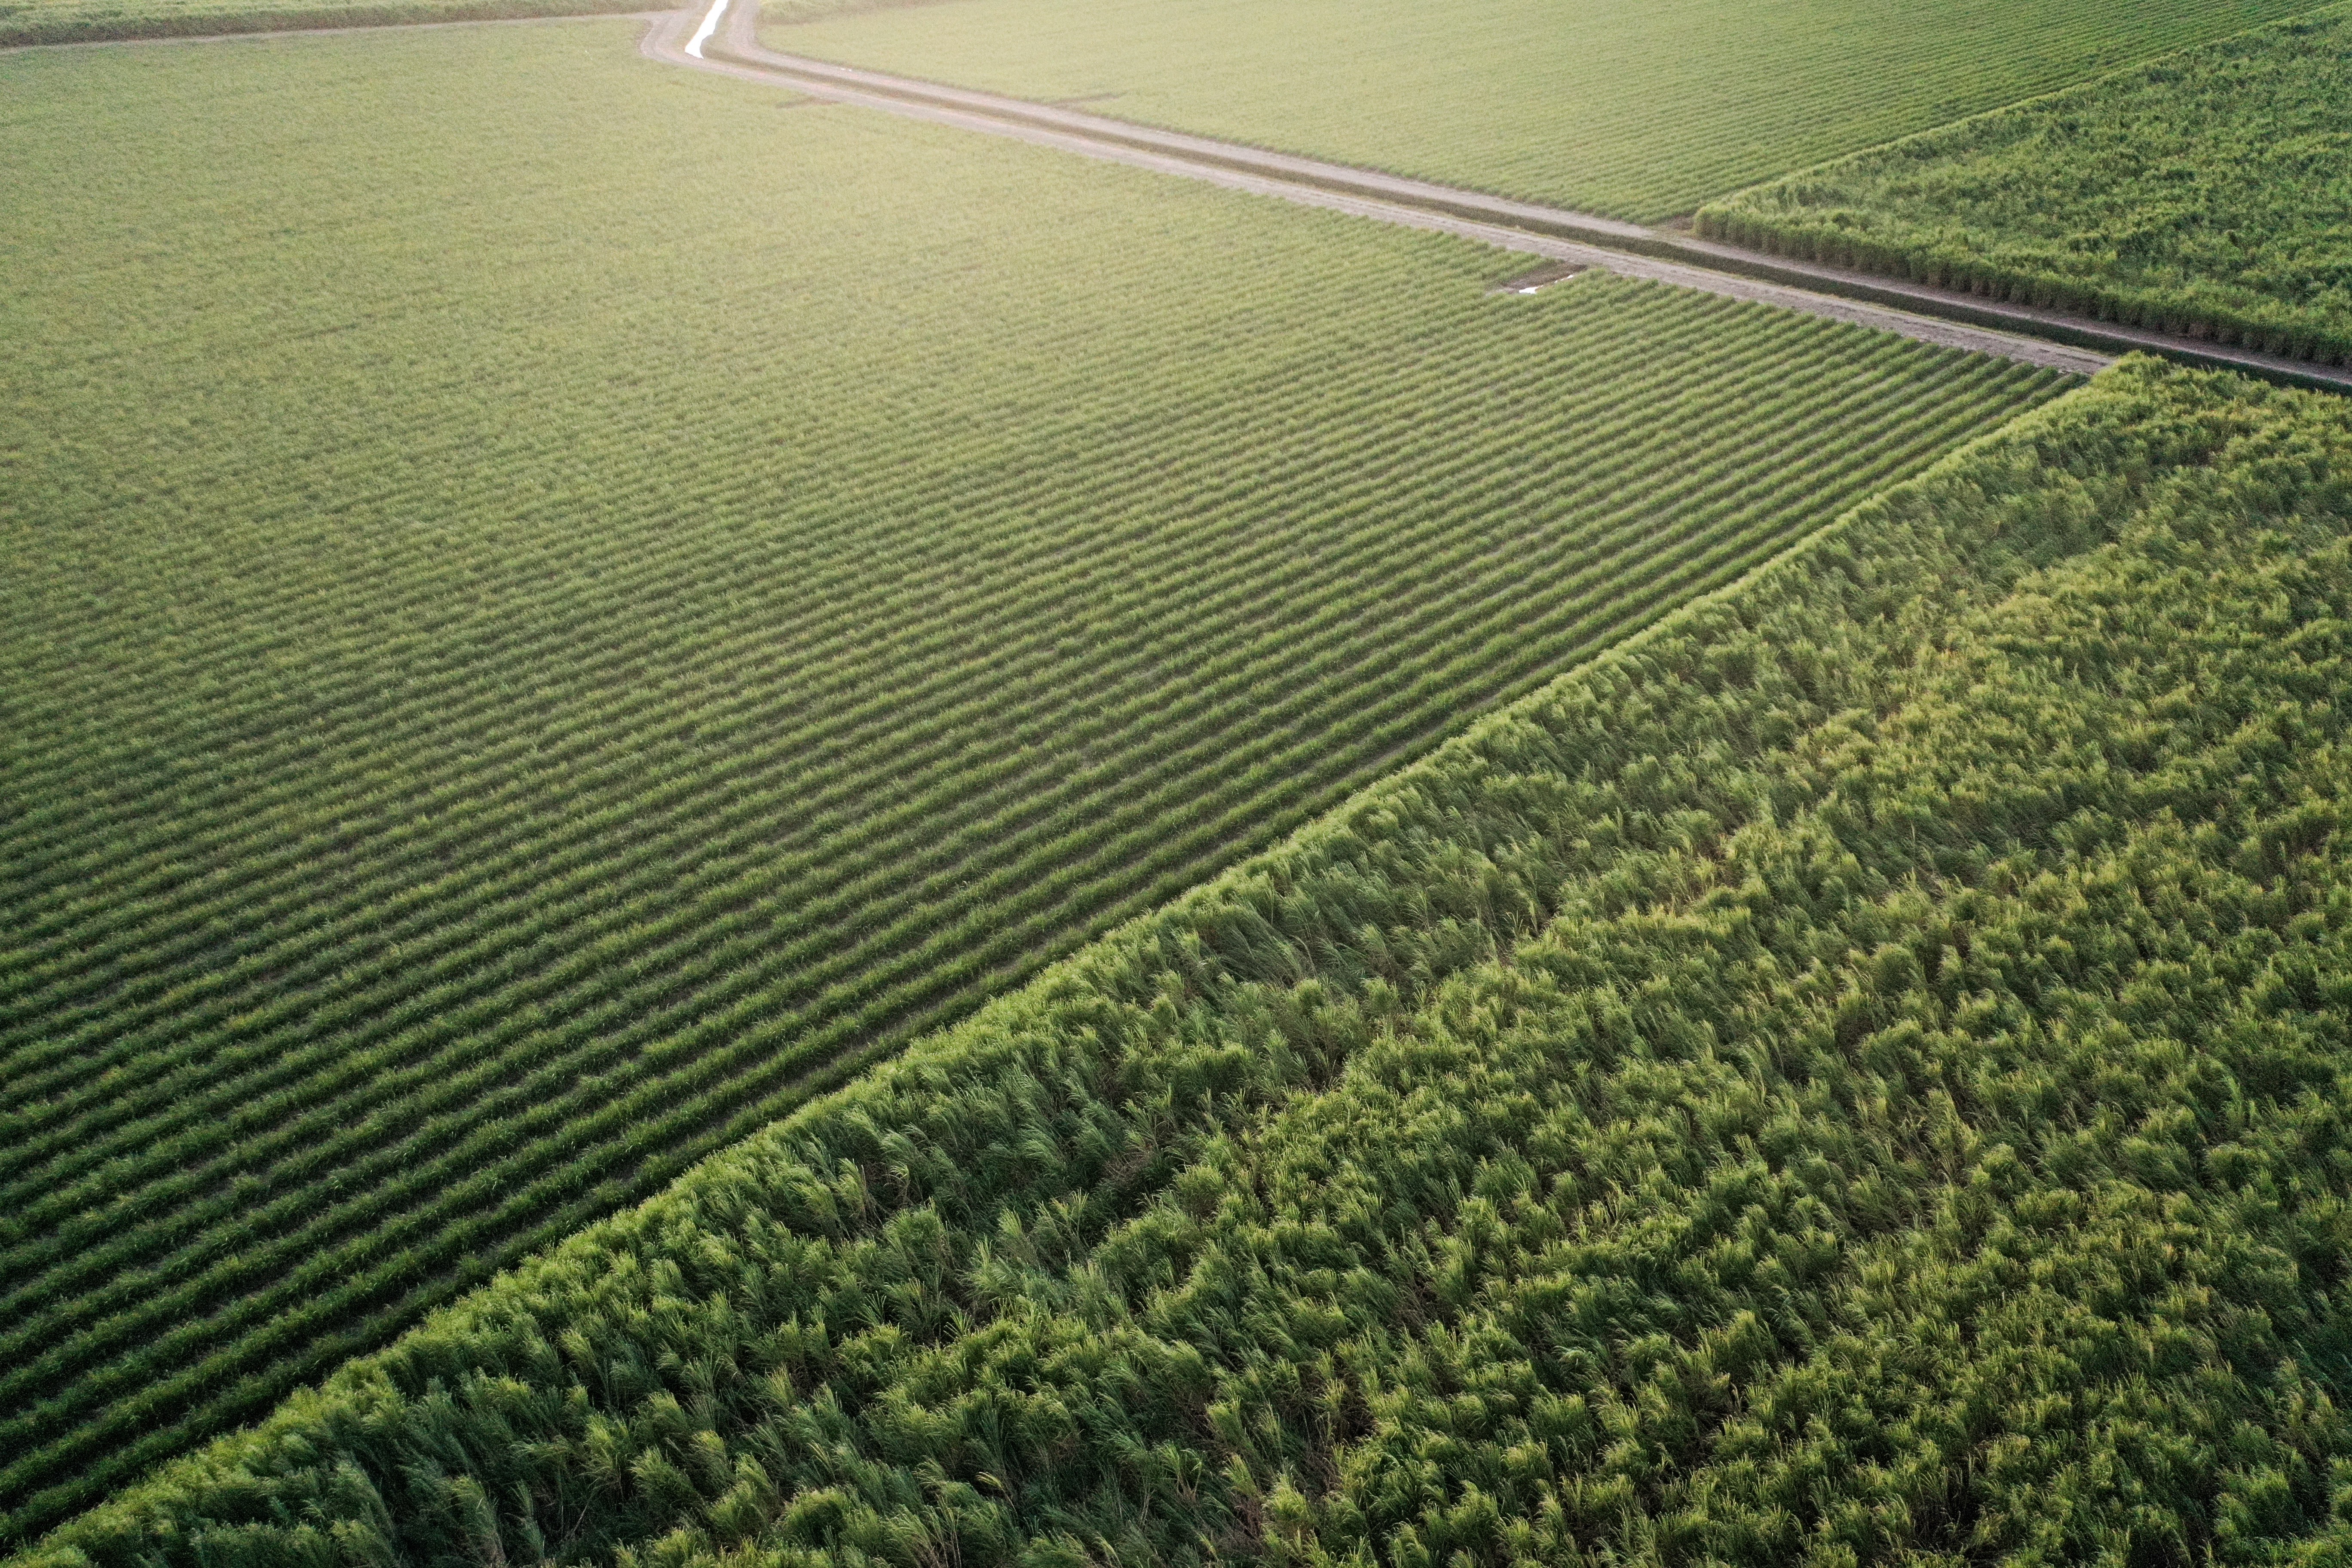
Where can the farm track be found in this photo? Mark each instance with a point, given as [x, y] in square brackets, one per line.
[1949, 318]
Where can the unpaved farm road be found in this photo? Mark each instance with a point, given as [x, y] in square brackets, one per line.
[722, 37]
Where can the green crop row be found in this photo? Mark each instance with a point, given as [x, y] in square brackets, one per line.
[1855, 1071]
[2200, 194]
[458, 1064]
[513, 717]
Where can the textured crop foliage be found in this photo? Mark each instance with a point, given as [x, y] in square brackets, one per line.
[2209, 194]
[1639, 109]
[549, 606]
[1858, 1074]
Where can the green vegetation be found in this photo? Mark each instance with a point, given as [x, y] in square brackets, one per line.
[2209, 194]
[551, 608]
[1857, 1073]
[1640, 109]
[93, 21]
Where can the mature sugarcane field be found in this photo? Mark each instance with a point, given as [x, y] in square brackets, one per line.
[759, 819]
[2206, 192]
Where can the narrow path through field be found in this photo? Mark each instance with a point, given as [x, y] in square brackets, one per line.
[2039, 337]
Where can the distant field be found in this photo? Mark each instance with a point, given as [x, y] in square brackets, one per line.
[1855, 1077]
[547, 603]
[2209, 192]
[1638, 108]
[87, 21]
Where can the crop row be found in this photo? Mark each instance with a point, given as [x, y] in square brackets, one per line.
[509, 1060]
[1899, 996]
[856, 588]
[1566, 556]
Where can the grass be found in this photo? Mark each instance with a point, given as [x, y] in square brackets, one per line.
[1638, 111]
[550, 607]
[1855, 1074]
[28, 22]
[2206, 194]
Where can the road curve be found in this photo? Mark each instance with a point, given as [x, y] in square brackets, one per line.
[2035, 336]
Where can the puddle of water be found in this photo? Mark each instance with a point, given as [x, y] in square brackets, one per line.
[1541, 278]
[710, 26]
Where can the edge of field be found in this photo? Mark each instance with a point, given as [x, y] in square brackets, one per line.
[1714, 220]
[148, 1504]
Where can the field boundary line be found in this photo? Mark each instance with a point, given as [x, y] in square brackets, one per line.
[2054, 325]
